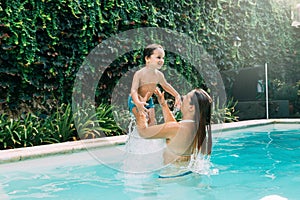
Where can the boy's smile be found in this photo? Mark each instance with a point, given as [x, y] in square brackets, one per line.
[156, 60]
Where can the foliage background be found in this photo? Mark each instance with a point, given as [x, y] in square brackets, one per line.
[44, 42]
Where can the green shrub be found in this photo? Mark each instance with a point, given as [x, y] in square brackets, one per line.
[60, 125]
[97, 122]
[224, 113]
[27, 130]
[30, 130]
[281, 90]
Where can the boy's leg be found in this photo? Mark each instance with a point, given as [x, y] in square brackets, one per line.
[136, 114]
[152, 120]
[150, 113]
[132, 107]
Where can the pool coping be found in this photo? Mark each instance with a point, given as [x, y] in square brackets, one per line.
[19, 154]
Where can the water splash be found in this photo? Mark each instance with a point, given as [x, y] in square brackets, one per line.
[202, 165]
[142, 155]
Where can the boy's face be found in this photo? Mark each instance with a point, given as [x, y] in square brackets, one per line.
[156, 60]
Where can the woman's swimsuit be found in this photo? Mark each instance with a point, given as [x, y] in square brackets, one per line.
[177, 168]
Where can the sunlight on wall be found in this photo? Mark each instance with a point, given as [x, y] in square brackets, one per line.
[296, 15]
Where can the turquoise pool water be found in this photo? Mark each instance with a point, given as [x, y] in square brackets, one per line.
[251, 164]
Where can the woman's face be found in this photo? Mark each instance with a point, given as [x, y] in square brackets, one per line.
[186, 101]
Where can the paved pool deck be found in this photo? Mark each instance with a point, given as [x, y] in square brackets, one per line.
[14, 155]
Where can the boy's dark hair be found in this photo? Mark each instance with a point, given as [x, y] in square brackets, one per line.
[148, 51]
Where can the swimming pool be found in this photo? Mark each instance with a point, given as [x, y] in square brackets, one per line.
[252, 163]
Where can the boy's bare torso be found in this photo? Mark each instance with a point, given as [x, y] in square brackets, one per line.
[148, 81]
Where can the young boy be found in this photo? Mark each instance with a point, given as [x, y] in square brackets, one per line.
[145, 82]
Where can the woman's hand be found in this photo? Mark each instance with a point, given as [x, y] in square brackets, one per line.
[160, 96]
[142, 103]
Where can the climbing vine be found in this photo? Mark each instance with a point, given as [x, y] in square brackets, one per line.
[43, 43]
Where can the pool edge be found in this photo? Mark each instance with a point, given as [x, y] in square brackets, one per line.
[19, 154]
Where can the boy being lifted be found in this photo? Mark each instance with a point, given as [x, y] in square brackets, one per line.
[145, 82]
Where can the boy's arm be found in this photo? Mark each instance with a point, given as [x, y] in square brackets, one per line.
[168, 87]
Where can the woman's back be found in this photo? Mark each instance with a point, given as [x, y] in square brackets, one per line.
[180, 146]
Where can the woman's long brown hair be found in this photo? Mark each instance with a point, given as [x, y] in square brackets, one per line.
[202, 102]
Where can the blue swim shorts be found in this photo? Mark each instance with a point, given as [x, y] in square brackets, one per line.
[131, 104]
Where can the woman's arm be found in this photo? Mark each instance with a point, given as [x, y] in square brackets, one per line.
[168, 115]
[165, 130]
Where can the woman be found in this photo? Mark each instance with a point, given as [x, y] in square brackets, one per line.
[188, 137]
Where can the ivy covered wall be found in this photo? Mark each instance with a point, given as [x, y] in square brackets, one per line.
[43, 43]
[265, 31]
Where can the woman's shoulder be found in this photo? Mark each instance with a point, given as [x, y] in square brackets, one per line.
[173, 125]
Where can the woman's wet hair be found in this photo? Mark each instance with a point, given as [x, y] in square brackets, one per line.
[202, 102]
